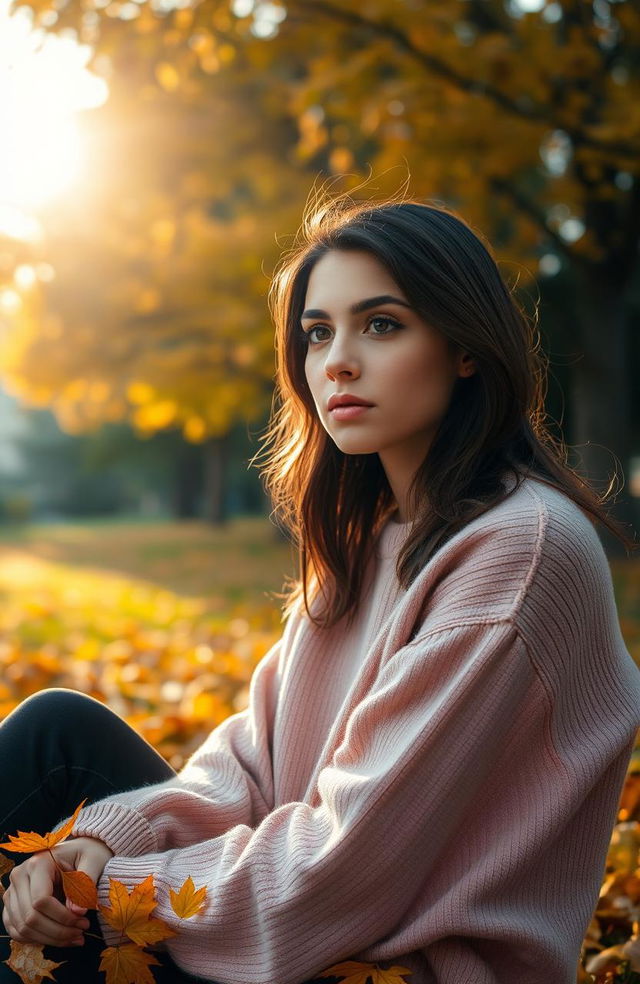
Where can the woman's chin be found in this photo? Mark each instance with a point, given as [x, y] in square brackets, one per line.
[354, 446]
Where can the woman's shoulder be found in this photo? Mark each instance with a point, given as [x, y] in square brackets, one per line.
[536, 520]
[534, 545]
[548, 524]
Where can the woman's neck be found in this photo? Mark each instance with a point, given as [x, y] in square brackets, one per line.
[401, 466]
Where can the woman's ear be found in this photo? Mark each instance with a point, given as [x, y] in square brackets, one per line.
[466, 365]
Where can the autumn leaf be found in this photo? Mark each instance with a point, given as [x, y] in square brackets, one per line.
[79, 888]
[355, 972]
[28, 843]
[127, 964]
[189, 900]
[130, 913]
[27, 960]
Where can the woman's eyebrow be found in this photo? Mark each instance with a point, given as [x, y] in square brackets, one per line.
[358, 307]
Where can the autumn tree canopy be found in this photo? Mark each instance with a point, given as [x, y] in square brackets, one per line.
[222, 113]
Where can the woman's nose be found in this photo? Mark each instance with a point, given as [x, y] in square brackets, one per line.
[341, 361]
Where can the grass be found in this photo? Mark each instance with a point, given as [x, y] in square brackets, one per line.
[245, 559]
[164, 622]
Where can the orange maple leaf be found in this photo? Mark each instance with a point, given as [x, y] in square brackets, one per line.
[130, 913]
[79, 888]
[188, 901]
[27, 960]
[127, 964]
[355, 972]
[29, 843]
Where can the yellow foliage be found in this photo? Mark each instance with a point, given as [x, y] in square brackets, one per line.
[358, 972]
[194, 429]
[30, 842]
[170, 663]
[148, 300]
[139, 392]
[189, 901]
[155, 416]
[126, 964]
[167, 76]
[341, 159]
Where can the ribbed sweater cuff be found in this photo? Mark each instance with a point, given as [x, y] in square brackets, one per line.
[122, 829]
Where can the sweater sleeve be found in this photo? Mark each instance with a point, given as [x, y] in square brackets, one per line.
[316, 882]
[226, 782]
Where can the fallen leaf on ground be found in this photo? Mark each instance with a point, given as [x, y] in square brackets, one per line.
[79, 888]
[127, 964]
[130, 913]
[28, 843]
[189, 900]
[27, 960]
[355, 972]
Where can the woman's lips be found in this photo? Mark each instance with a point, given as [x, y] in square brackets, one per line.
[348, 411]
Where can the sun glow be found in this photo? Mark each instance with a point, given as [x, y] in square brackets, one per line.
[44, 82]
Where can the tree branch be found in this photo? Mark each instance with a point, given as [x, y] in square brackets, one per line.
[529, 208]
[434, 64]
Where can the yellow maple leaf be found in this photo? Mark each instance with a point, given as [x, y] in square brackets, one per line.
[357, 972]
[27, 960]
[130, 912]
[79, 888]
[189, 900]
[127, 964]
[29, 843]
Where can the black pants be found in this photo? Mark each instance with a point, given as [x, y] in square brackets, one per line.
[56, 749]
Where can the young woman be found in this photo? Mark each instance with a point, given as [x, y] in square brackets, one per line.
[428, 771]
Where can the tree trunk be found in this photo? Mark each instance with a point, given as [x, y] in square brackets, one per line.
[187, 490]
[215, 479]
[601, 399]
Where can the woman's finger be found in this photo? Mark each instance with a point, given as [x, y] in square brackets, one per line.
[77, 910]
[13, 915]
[33, 914]
[28, 925]
[43, 900]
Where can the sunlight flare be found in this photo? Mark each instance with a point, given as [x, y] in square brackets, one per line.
[44, 83]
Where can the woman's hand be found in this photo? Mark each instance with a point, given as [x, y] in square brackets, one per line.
[34, 907]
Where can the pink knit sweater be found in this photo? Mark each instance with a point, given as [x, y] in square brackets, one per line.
[434, 786]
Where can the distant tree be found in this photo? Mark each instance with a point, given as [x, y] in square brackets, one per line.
[157, 312]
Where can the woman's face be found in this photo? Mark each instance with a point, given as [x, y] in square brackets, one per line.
[380, 376]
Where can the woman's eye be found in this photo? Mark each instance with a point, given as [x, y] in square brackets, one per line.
[315, 334]
[383, 326]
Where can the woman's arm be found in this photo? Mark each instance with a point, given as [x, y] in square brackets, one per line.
[316, 882]
[231, 771]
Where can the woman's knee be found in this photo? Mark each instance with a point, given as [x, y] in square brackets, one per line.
[58, 700]
[56, 706]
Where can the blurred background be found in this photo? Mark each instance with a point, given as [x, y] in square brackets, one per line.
[155, 161]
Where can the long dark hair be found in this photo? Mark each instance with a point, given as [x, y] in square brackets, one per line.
[334, 503]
